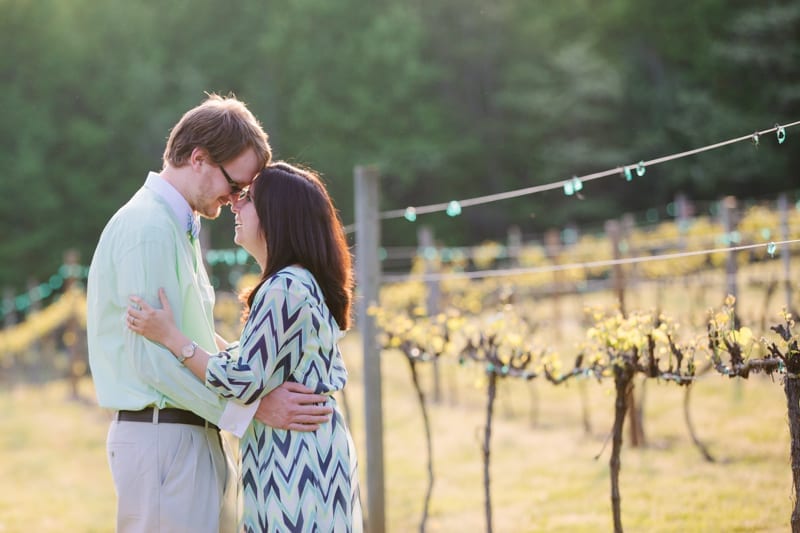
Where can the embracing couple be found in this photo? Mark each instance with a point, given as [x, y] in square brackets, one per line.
[172, 382]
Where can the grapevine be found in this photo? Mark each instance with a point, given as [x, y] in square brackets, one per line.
[779, 354]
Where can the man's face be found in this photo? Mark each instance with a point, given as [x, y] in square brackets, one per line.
[221, 184]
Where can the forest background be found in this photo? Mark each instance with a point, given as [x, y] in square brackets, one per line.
[450, 99]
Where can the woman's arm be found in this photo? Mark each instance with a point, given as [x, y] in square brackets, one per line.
[272, 343]
[158, 325]
[291, 406]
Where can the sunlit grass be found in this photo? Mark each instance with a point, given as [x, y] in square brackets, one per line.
[52, 462]
[545, 478]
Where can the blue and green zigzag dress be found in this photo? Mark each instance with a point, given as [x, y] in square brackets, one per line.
[292, 481]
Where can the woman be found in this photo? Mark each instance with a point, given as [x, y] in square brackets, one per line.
[293, 481]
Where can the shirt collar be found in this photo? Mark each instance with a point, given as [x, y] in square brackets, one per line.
[177, 203]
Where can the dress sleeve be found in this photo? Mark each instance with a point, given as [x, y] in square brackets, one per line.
[271, 346]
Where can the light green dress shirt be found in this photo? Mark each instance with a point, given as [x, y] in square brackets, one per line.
[148, 244]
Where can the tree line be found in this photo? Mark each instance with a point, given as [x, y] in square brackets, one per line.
[450, 99]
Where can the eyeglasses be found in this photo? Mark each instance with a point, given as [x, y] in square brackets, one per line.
[236, 189]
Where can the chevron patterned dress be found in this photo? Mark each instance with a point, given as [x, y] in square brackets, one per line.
[292, 481]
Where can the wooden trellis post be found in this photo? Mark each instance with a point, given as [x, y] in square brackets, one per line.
[786, 254]
[614, 231]
[368, 272]
[728, 210]
[427, 248]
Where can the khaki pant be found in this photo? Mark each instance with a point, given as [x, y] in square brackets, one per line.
[171, 478]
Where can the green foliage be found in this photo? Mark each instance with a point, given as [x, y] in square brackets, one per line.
[450, 99]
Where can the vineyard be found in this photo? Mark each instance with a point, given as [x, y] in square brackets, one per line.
[508, 322]
[575, 230]
[470, 323]
[511, 340]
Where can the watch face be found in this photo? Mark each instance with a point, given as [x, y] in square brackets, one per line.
[188, 350]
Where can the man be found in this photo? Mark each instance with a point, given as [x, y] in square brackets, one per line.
[164, 448]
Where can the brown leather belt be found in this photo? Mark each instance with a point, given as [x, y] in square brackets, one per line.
[165, 416]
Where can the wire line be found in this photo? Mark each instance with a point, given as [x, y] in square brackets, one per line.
[480, 274]
[432, 208]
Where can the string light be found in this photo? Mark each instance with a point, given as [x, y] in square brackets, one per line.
[628, 174]
[781, 133]
[573, 186]
[23, 302]
[454, 208]
[230, 257]
[569, 185]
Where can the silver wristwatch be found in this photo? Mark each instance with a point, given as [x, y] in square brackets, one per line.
[187, 351]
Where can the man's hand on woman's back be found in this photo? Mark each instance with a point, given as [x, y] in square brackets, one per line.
[294, 407]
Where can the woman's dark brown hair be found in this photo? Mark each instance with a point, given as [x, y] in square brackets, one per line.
[301, 226]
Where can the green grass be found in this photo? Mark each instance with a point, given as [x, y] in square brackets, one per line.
[52, 462]
[544, 477]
